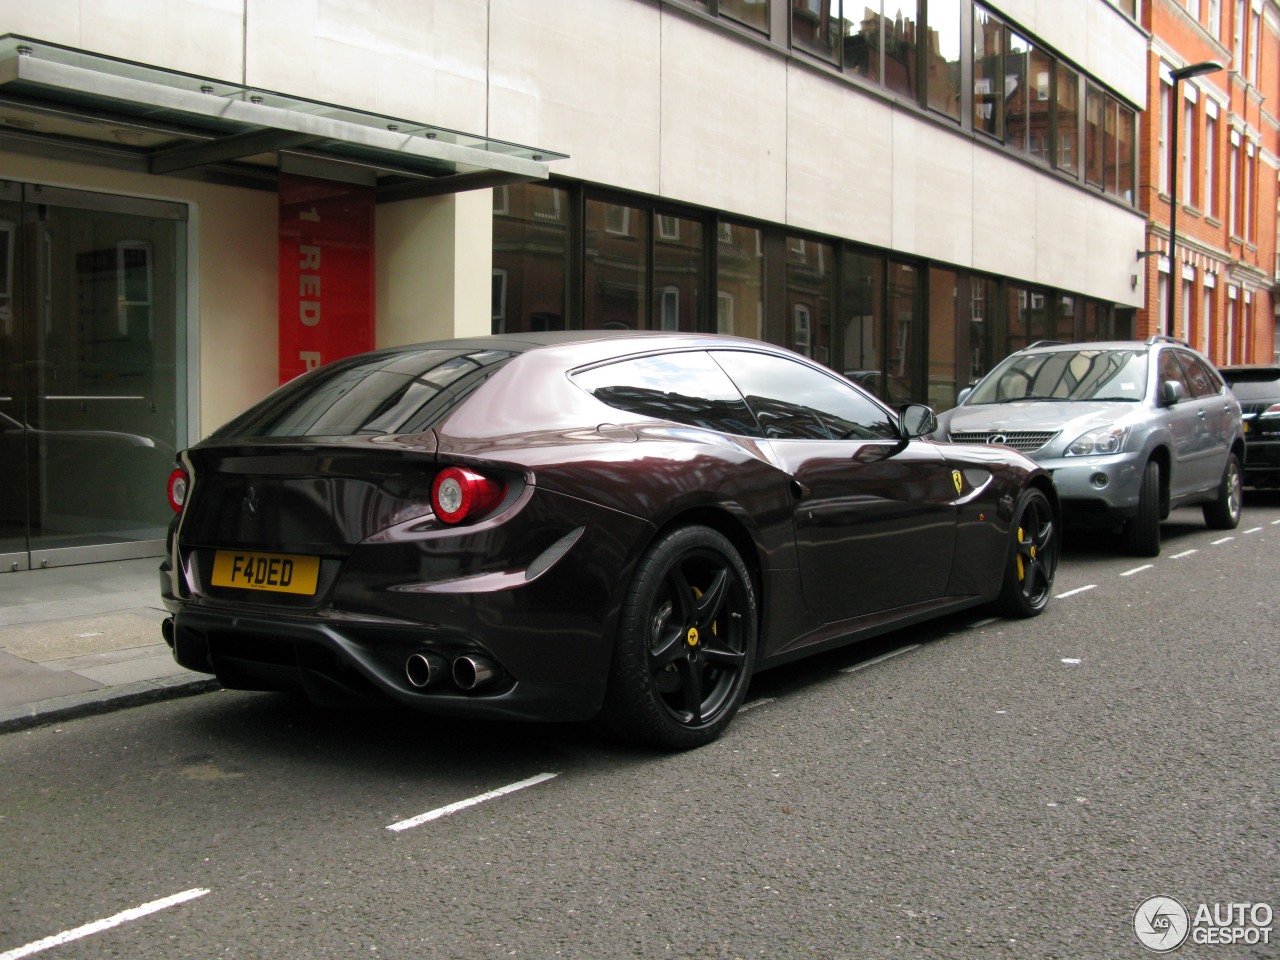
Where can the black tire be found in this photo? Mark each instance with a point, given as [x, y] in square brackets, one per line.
[1033, 557]
[1142, 532]
[686, 643]
[1224, 513]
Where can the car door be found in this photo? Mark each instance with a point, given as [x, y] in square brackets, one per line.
[1216, 417]
[873, 515]
[1184, 421]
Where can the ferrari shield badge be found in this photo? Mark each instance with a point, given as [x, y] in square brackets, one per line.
[958, 480]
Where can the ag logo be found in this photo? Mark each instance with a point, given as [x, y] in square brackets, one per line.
[958, 480]
[1161, 923]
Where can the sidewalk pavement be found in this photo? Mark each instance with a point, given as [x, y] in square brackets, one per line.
[85, 639]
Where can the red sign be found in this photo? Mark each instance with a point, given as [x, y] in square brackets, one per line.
[326, 272]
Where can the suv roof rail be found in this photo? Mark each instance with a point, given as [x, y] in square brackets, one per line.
[1045, 343]
[1165, 338]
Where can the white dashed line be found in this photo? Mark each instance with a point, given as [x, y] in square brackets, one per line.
[1223, 540]
[1253, 530]
[756, 703]
[463, 804]
[1184, 553]
[1071, 660]
[1072, 593]
[880, 659]
[1130, 573]
[99, 925]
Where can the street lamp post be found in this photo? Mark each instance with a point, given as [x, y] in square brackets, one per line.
[1175, 109]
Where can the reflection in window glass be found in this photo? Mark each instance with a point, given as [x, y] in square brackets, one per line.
[687, 388]
[810, 293]
[530, 259]
[943, 57]
[795, 402]
[900, 49]
[1066, 155]
[816, 26]
[1068, 375]
[678, 259]
[1126, 135]
[983, 293]
[1064, 327]
[1110, 139]
[862, 41]
[862, 301]
[988, 74]
[752, 13]
[615, 267]
[1093, 136]
[740, 276]
[1016, 94]
[1039, 108]
[903, 309]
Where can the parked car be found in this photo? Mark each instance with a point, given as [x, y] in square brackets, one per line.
[565, 525]
[1129, 431]
[1257, 387]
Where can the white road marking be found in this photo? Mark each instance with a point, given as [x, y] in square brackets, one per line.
[1071, 660]
[463, 804]
[1223, 540]
[1130, 573]
[983, 623]
[1253, 530]
[756, 703]
[1072, 593]
[880, 659]
[99, 925]
[1184, 553]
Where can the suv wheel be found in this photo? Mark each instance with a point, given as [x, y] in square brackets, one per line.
[1224, 513]
[1142, 532]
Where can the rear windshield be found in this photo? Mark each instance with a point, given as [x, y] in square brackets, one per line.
[1254, 384]
[1067, 375]
[375, 394]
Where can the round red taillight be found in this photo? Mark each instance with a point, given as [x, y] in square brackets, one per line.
[177, 489]
[459, 494]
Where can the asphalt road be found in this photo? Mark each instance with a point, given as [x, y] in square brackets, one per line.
[979, 788]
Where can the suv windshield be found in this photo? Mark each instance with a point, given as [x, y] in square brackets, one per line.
[1066, 375]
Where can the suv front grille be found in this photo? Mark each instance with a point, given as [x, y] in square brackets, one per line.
[1022, 440]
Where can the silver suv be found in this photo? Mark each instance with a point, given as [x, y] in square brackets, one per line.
[1129, 430]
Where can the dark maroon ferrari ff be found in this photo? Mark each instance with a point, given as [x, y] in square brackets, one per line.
[580, 524]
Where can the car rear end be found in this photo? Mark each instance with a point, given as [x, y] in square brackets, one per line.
[1257, 387]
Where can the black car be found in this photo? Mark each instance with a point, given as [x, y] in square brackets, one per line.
[570, 525]
[1257, 387]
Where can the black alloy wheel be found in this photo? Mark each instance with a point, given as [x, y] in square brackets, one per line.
[1033, 557]
[686, 642]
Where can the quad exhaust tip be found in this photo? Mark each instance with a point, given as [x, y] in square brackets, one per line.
[470, 672]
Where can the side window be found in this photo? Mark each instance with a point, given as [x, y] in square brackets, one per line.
[1204, 382]
[1171, 369]
[795, 402]
[684, 387]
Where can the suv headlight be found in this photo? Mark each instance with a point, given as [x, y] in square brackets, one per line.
[1099, 442]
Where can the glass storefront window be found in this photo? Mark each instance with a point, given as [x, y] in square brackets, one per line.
[943, 320]
[902, 309]
[740, 281]
[1064, 327]
[860, 351]
[810, 295]
[530, 258]
[615, 266]
[983, 301]
[678, 259]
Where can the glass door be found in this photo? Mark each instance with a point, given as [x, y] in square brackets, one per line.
[93, 395]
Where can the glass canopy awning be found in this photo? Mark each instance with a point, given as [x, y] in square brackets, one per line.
[55, 100]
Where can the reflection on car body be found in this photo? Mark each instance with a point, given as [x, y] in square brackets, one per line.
[582, 524]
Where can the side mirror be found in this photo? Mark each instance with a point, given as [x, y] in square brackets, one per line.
[917, 420]
[1172, 392]
[964, 395]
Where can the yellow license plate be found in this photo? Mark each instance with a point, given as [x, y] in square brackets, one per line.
[276, 572]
